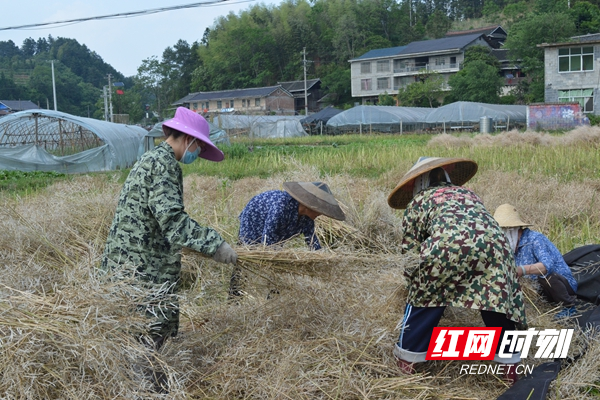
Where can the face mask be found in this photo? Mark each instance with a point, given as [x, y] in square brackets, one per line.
[512, 234]
[189, 157]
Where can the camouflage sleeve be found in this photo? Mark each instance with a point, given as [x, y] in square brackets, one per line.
[166, 204]
[412, 225]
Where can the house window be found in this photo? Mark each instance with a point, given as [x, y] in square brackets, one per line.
[195, 105]
[440, 61]
[576, 59]
[257, 102]
[365, 84]
[383, 83]
[219, 104]
[365, 68]
[383, 66]
[585, 98]
[243, 103]
[231, 105]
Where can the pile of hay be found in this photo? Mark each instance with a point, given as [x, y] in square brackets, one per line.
[328, 333]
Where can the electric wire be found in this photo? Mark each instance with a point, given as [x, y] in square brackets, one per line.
[126, 14]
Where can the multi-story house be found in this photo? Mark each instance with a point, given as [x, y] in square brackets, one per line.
[387, 70]
[265, 100]
[313, 94]
[572, 72]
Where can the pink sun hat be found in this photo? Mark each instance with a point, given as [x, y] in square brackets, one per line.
[193, 124]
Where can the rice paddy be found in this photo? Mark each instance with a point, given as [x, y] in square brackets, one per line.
[328, 329]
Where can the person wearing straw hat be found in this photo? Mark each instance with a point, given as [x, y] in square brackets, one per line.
[538, 258]
[465, 260]
[150, 226]
[275, 216]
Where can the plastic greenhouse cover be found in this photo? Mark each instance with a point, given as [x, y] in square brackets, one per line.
[265, 126]
[470, 112]
[121, 143]
[364, 115]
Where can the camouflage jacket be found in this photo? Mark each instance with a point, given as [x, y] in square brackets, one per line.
[465, 259]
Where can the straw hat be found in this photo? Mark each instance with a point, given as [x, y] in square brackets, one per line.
[194, 124]
[507, 216]
[460, 170]
[316, 196]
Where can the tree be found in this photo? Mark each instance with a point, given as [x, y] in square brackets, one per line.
[425, 92]
[386, 100]
[478, 82]
[438, 24]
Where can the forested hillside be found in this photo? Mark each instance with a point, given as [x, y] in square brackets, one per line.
[263, 45]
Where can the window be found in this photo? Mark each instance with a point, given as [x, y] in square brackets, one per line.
[383, 83]
[243, 103]
[585, 98]
[232, 106]
[219, 104]
[257, 102]
[365, 84]
[576, 59]
[195, 105]
[365, 68]
[440, 61]
[383, 66]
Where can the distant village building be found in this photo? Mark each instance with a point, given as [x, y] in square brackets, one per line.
[12, 106]
[387, 70]
[571, 72]
[313, 94]
[270, 100]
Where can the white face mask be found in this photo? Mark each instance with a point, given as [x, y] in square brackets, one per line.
[512, 234]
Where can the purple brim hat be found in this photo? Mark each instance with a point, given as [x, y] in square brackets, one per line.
[193, 124]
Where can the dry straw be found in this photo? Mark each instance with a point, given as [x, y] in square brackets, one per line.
[68, 332]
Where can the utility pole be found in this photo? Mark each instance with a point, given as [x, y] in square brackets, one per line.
[305, 91]
[105, 95]
[110, 98]
[53, 85]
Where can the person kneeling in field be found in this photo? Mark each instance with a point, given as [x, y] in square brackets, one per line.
[465, 259]
[275, 216]
[150, 226]
[538, 258]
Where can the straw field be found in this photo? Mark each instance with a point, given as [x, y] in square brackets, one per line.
[313, 325]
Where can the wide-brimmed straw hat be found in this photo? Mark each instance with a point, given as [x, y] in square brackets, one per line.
[507, 216]
[193, 124]
[317, 197]
[460, 170]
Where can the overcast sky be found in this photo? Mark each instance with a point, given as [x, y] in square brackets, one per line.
[121, 42]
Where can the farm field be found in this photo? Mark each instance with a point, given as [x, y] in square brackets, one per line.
[329, 333]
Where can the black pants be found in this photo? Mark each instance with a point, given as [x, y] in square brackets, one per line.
[558, 289]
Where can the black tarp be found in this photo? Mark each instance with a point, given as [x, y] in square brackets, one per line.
[322, 116]
[584, 262]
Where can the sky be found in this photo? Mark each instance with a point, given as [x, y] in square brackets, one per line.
[121, 42]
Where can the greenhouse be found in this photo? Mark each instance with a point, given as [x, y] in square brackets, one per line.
[365, 119]
[263, 126]
[465, 115]
[46, 140]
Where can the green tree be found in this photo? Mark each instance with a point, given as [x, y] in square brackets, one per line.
[478, 82]
[385, 99]
[438, 24]
[425, 92]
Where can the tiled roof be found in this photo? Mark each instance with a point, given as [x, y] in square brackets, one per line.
[377, 53]
[19, 105]
[295, 86]
[591, 38]
[230, 94]
[447, 43]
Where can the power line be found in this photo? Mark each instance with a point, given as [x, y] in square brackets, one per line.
[127, 14]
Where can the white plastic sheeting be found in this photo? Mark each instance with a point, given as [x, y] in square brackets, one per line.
[46, 140]
[264, 126]
[462, 112]
[380, 118]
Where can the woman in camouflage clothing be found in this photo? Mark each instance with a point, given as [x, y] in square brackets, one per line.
[150, 226]
[465, 259]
